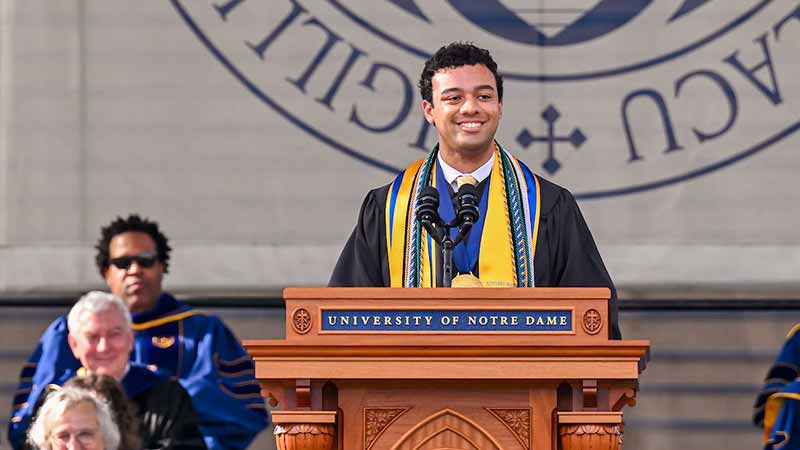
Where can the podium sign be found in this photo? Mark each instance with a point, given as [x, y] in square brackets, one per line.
[415, 321]
[428, 369]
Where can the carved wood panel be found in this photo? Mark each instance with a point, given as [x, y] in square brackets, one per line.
[518, 421]
[447, 429]
[376, 420]
[590, 436]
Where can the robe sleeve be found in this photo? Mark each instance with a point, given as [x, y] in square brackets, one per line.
[783, 419]
[784, 370]
[569, 254]
[48, 363]
[224, 391]
[363, 261]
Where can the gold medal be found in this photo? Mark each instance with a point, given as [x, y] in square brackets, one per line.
[466, 280]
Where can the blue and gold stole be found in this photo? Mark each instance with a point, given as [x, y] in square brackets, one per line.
[509, 234]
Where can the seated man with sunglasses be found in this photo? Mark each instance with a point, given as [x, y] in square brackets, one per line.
[170, 336]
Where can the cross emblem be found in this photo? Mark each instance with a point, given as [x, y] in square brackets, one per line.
[301, 321]
[551, 115]
[592, 321]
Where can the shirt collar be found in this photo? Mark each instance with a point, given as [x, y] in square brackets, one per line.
[480, 174]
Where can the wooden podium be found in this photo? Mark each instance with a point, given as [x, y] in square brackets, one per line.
[445, 369]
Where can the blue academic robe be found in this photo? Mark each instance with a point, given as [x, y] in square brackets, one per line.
[784, 370]
[782, 419]
[176, 339]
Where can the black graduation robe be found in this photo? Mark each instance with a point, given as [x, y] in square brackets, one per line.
[166, 416]
[565, 256]
[168, 419]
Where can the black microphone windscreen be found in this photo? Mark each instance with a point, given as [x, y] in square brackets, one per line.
[467, 200]
[429, 191]
[428, 205]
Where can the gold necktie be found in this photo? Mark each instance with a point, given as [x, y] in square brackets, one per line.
[465, 179]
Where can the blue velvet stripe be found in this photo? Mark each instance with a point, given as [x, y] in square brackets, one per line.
[393, 202]
[234, 369]
[25, 384]
[533, 204]
[245, 390]
[28, 371]
[782, 372]
[21, 397]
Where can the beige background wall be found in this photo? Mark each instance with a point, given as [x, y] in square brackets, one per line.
[114, 107]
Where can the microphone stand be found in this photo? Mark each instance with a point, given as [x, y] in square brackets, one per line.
[441, 234]
[447, 259]
[447, 249]
[428, 215]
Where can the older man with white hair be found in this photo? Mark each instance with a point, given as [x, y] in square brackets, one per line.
[74, 419]
[101, 337]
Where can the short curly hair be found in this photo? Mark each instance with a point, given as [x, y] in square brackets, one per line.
[453, 55]
[132, 223]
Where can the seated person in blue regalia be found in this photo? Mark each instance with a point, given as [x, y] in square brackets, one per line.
[169, 336]
[101, 337]
[777, 407]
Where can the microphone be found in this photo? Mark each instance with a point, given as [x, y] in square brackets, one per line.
[467, 201]
[428, 206]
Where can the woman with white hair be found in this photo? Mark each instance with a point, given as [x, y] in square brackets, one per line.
[74, 419]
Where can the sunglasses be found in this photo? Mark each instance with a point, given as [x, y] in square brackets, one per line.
[143, 260]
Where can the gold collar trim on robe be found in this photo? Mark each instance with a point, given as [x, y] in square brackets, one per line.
[163, 320]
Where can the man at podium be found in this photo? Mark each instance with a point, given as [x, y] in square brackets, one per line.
[529, 232]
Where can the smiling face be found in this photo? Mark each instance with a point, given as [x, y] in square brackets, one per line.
[466, 112]
[103, 343]
[138, 286]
